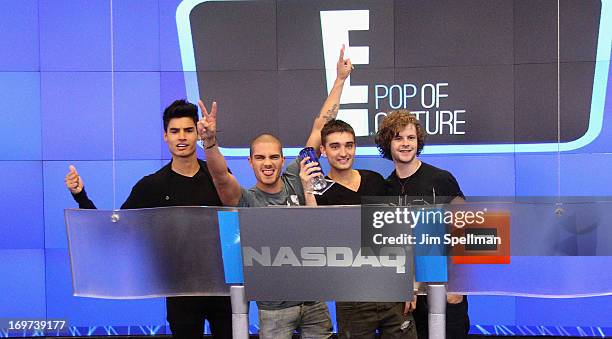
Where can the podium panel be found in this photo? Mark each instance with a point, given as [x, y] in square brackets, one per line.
[303, 253]
[559, 250]
[145, 253]
[542, 277]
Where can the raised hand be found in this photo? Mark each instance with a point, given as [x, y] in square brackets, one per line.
[344, 66]
[207, 126]
[74, 183]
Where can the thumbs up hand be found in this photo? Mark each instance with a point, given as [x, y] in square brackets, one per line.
[74, 183]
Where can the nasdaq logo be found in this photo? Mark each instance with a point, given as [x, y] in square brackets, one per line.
[324, 257]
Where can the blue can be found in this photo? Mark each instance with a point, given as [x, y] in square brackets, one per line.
[309, 152]
[318, 183]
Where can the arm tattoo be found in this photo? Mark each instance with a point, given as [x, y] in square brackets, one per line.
[331, 113]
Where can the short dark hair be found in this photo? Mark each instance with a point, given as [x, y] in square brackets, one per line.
[335, 126]
[265, 137]
[394, 123]
[180, 109]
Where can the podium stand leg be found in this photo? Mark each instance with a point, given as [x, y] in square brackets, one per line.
[240, 313]
[436, 299]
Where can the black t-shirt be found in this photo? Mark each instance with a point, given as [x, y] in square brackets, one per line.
[372, 184]
[166, 188]
[425, 184]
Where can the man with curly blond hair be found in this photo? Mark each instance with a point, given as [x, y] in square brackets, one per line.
[401, 139]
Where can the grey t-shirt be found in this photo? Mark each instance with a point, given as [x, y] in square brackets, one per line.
[291, 194]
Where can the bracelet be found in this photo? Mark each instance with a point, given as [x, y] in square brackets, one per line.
[211, 146]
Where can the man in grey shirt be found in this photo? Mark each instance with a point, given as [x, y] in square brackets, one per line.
[291, 191]
[278, 320]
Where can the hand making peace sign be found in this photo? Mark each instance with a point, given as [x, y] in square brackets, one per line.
[207, 126]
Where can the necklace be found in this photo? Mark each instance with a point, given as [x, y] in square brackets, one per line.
[404, 181]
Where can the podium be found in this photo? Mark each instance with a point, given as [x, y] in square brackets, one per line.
[180, 251]
[314, 254]
[145, 253]
[148, 253]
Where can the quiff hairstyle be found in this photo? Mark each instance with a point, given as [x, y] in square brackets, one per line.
[180, 109]
[336, 126]
[391, 125]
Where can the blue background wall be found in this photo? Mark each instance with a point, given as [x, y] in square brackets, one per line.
[56, 90]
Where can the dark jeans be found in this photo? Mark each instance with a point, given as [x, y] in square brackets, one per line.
[186, 316]
[362, 319]
[457, 320]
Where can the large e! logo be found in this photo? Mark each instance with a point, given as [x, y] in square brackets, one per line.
[422, 99]
[335, 27]
[477, 85]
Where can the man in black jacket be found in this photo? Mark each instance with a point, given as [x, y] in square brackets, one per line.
[400, 139]
[185, 181]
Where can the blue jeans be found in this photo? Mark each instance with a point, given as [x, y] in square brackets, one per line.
[311, 319]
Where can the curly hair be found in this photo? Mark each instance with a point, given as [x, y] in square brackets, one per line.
[391, 125]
